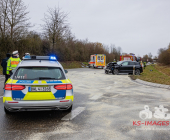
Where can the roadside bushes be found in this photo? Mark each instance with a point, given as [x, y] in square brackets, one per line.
[164, 56]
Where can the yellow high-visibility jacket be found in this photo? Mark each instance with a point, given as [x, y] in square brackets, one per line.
[12, 64]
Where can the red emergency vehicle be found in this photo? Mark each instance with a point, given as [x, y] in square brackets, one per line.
[130, 56]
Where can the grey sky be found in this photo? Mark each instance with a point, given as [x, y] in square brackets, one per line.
[137, 26]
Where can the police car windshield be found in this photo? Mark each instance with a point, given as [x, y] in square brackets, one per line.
[39, 73]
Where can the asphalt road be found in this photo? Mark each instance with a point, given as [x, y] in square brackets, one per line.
[105, 107]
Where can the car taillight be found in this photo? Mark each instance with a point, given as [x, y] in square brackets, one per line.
[63, 87]
[8, 87]
[18, 87]
[14, 87]
[69, 86]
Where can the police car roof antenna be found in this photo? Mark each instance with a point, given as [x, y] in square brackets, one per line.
[40, 61]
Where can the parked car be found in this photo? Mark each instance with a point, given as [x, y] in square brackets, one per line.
[37, 84]
[127, 67]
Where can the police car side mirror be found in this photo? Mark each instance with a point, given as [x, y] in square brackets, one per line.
[66, 71]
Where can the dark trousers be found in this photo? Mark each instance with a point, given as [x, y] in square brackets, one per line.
[6, 78]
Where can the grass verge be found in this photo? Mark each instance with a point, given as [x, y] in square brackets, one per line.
[0, 70]
[164, 69]
[155, 74]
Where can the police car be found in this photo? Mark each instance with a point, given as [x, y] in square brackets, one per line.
[38, 83]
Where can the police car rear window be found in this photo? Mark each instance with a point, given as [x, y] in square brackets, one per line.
[39, 73]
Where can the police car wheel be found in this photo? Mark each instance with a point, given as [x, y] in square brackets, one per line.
[70, 109]
[7, 111]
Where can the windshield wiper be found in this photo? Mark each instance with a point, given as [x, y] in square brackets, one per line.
[42, 78]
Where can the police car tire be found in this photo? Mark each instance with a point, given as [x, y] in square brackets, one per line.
[7, 111]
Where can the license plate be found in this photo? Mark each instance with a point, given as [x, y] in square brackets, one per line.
[39, 89]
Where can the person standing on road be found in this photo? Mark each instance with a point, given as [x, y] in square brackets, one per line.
[26, 55]
[12, 63]
[114, 60]
[144, 64]
[4, 65]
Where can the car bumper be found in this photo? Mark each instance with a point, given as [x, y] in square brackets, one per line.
[108, 70]
[15, 106]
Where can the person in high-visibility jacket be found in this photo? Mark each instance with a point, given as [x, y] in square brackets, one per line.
[12, 63]
[144, 64]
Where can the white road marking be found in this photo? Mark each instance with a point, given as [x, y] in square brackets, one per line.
[73, 114]
[95, 97]
[46, 135]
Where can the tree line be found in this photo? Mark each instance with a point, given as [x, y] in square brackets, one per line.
[55, 38]
[164, 55]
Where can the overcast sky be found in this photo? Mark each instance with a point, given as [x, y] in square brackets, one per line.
[137, 26]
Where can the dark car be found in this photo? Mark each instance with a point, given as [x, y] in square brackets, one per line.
[109, 66]
[127, 67]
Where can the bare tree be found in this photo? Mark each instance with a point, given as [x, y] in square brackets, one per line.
[56, 26]
[3, 17]
[13, 18]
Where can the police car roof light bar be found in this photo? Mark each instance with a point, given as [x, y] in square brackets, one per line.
[33, 57]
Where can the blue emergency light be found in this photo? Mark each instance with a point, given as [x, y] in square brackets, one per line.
[53, 58]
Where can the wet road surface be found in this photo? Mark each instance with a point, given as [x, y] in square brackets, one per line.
[110, 105]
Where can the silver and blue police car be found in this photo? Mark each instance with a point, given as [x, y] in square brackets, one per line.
[38, 83]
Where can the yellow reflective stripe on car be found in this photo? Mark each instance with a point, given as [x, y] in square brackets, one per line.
[9, 81]
[14, 81]
[63, 81]
[39, 85]
[43, 82]
[7, 99]
[69, 98]
[39, 96]
[35, 82]
[68, 81]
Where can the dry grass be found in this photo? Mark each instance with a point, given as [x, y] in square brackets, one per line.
[0, 70]
[156, 74]
[163, 68]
